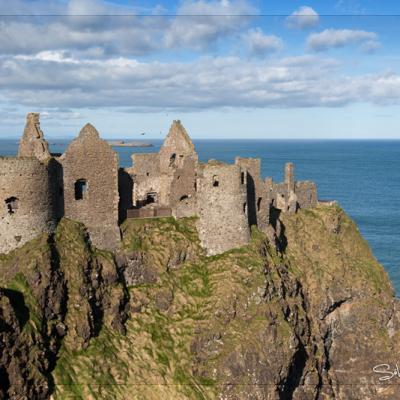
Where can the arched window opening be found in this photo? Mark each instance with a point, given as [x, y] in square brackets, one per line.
[81, 188]
[184, 197]
[12, 204]
[259, 203]
[215, 181]
[172, 160]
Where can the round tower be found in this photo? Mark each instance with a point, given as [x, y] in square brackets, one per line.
[25, 201]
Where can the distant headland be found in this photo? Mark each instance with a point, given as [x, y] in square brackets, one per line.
[122, 143]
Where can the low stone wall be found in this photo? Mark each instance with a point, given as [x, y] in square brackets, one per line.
[149, 212]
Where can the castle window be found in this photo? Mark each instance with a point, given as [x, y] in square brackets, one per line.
[151, 198]
[215, 181]
[184, 197]
[242, 178]
[81, 188]
[172, 160]
[11, 204]
[259, 203]
[244, 208]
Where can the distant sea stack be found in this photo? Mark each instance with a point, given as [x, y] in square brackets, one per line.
[121, 143]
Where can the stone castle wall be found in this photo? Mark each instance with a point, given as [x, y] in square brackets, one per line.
[222, 208]
[90, 169]
[86, 184]
[290, 195]
[178, 164]
[306, 192]
[26, 201]
[146, 177]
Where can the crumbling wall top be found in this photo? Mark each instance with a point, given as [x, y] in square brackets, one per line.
[89, 131]
[32, 143]
[178, 139]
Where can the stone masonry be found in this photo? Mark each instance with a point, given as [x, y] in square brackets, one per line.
[32, 143]
[90, 168]
[26, 208]
[86, 184]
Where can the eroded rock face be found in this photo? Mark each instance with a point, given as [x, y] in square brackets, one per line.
[57, 290]
[305, 313]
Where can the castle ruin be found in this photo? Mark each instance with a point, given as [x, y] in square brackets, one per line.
[85, 184]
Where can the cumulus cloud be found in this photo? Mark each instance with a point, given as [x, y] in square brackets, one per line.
[64, 64]
[94, 28]
[204, 22]
[260, 44]
[46, 81]
[335, 38]
[303, 18]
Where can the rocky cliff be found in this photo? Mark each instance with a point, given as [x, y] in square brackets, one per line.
[303, 313]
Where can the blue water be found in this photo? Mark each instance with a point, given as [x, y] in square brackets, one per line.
[363, 176]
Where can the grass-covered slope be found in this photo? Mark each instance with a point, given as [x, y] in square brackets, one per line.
[160, 320]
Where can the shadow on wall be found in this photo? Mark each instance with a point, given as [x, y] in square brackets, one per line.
[281, 240]
[125, 188]
[56, 182]
[251, 200]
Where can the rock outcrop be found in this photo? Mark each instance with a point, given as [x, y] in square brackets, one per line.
[303, 313]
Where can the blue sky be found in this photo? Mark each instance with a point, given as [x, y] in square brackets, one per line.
[226, 68]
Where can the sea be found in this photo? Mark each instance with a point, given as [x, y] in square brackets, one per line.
[362, 175]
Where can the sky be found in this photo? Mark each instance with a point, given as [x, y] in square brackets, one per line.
[235, 69]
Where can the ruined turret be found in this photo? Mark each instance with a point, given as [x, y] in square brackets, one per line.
[32, 143]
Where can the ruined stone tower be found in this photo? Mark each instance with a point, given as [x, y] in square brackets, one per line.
[258, 205]
[222, 207]
[32, 143]
[90, 168]
[26, 208]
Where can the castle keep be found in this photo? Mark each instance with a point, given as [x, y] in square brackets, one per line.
[85, 184]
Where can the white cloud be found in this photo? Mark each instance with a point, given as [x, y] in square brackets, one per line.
[260, 44]
[303, 18]
[67, 63]
[205, 22]
[85, 27]
[208, 83]
[334, 38]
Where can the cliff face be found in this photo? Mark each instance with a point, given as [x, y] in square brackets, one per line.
[304, 314]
